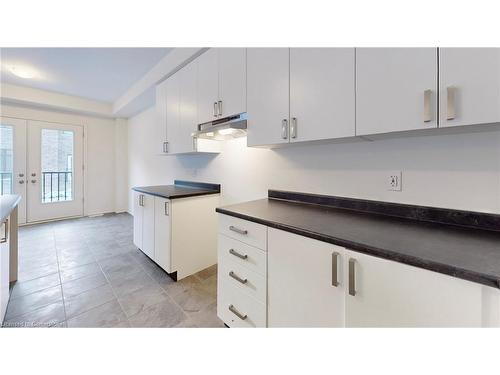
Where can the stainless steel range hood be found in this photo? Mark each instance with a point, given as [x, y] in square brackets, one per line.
[224, 128]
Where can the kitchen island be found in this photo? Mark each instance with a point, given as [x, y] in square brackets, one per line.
[8, 247]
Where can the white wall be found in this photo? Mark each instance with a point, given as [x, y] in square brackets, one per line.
[101, 167]
[455, 171]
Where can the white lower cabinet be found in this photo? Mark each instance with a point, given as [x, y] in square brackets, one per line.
[311, 283]
[306, 287]
[391, 294]
[179, 235]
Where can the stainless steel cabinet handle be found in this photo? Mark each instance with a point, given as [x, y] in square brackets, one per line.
[237, 278]
[220, 107]
[335, 269]
[215, 109]
[165, 147]
[427, 106]
[167, 209]
[236, 254]
[293, 128]
[284, 129]
[238, 230]
[352, 276]
[237, 313]
[5, 231]
[141, 200]
[450, 102]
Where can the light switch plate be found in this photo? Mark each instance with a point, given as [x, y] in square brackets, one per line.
[394, 180]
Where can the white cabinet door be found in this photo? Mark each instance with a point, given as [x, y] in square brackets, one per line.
[322, 95]
[268, 88]
[208, 85]
[301, 282]
[396, 89]
[4, 269]
[232, 80]
[172, 98]
[469, 83]
[391, 294]
[148, 226]
[188, 108]
[163, 234]
[161, 117]
[138, 219]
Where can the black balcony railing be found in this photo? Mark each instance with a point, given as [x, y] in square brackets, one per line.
[5, 183]
[57, 186]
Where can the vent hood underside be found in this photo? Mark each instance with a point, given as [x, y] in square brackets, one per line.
[223, 129]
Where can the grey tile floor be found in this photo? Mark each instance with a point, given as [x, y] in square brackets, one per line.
[87, 273]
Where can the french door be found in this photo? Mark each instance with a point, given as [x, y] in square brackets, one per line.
[44, 165]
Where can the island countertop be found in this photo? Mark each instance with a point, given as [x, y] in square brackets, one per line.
[7, 203]
[180, 189]
[468, 253]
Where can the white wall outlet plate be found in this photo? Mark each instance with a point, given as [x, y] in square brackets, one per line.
[394, 180]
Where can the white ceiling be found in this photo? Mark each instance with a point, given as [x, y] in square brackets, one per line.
[94, 73]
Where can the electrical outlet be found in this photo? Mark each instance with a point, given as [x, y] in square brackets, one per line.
[394, 180]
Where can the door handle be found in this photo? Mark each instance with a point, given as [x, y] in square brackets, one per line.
[220, 107]
[450, 102]
[335, 269]
[352, 276]
[167, 210]
[5, 231]
[427, 106]
[236, 254]
[237, 278]
[238, 230]
[293, 127]
[284, 128]
[237, 313]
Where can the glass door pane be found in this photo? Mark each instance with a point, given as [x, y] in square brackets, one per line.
[57, 165]
[6, 159]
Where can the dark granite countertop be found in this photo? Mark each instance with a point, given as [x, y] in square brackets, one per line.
[467, 253]
[7, 203]
[180, 189]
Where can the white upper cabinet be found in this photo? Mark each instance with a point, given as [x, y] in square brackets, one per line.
[268, 87]
[188, 108]
[383, 293]
[469, 82]
[172, 99]
[161, 117]
[208, 85]
[305, 282]
[322, 97]
[232, 81]
[396, 89]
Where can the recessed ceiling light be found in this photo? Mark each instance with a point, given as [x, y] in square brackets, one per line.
[22, 71]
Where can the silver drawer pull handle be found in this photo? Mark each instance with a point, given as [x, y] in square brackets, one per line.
[352, 276]
[236, 254]
[335, 267]
[427, 106]
[237, 278]
[237, 313]
[450, 104]
[238, 230]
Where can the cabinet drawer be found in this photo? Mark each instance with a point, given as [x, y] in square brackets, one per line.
[252, 312]
[247, 281]
[245, 255]
[245, 231]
